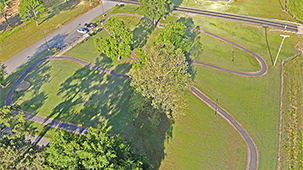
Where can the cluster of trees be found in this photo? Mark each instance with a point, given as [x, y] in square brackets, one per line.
[28, 9]
[161, 74]
[160, 78]
[97, 150]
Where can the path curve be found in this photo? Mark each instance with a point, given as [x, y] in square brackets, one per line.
[253, 155]
[51, 122]
[262, 62]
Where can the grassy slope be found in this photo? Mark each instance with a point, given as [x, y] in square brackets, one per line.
[26, 35]
[257, 8]
[295, 7]
[201, 139]
[292, 127]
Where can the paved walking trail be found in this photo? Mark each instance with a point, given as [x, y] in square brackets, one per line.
[253, 155]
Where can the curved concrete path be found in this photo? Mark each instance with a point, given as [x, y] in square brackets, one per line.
[50, 122]
[253, 155]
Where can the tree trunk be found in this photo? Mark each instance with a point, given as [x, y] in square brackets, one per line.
[36, 19]
[5, 17]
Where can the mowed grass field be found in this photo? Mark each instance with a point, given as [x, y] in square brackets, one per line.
[295, 7]
[252, 101]
[258, 8]
[292, 127]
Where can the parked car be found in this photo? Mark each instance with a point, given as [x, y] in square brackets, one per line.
[89, 25]
[83, 30]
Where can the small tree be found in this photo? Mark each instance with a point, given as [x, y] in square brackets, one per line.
[31, 9]
[162, 77]
[156, 9]
[117, 45]
[174, 32]
[5, 5]
[2, 73]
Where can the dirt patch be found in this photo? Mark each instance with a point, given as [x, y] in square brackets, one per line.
[24, 85]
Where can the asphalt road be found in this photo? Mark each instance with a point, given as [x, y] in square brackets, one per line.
[267, 23]
[64, 36]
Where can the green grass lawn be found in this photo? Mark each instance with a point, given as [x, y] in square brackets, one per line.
[292, 127]
[258, 8]
[201, 140]
[69, 92]
[254, 102]
[295, 7]
[21, 37]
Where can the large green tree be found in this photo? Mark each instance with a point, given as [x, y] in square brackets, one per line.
[161, 76]
[15, 151]
[31, 9]
[118, 44]
[5, 5]
[156, 9]
[19, 153]
[174, 32]
[15, 123]
[97, 150]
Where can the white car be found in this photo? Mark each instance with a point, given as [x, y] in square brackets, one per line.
[83, 30]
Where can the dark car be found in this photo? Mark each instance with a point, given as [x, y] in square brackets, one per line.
[83, 30]
[89, 25]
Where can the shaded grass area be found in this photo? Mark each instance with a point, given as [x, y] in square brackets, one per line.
[10, 79]
[201, 139]
[292, 127]
[258, 8]
[21, 37]
[75, 94]
[295, 7]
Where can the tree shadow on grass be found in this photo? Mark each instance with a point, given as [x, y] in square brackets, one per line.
[56, 6]
[152, 128]
[37, 78]
[90, 98]
[193, 35]
[141, 33]
[177, 2]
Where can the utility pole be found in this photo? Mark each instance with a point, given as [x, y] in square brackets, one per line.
[284, 36]
[45, 40]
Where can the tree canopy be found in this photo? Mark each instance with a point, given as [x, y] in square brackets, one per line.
[19, 153]
[174, 32]
[118, 44]
[156, 9]
[161, 76]
[5, 5]
[31, 9]
[16, 125]
[15, 151]
[97, 150]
